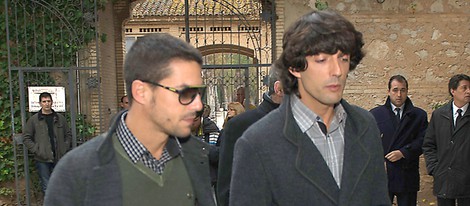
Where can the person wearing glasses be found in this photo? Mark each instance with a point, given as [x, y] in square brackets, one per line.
[446, 145]
[315, 148]
[148, 156]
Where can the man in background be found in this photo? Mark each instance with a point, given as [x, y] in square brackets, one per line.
[207, 131]
[402, 127]
[48, 137]
[446, 145]
[124, 104]
[235, 128]
[240, 97]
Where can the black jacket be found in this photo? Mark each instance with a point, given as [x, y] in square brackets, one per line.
[447, 153]
[210, 134]
[234, 130]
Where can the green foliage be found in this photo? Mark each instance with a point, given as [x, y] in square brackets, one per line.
[321, 5]
[7, 163]
[39, 36]
[413, 7]
[7, 192]
[85, 130]
[438, 105]
[103, 37]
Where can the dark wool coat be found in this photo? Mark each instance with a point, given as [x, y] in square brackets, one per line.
[447, 153]
[232, 132]
[276, 164]
[406, 136]
[89, 174]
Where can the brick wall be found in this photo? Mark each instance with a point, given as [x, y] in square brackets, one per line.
[111, 60]
[121, 14]
[107, 66]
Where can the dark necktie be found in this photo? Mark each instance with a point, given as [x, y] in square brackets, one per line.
[459, 117]
[398, 114]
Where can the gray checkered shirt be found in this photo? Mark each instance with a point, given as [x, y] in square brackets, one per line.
[331, 145]
[137, 152]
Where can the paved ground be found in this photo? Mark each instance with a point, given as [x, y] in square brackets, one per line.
[425, 196]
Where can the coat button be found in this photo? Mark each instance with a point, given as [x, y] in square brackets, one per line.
[452, 142]
[189, 195]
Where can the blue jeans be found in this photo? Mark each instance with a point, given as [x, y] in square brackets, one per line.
[44, 170]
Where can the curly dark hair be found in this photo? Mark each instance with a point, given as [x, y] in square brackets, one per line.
[317, 32]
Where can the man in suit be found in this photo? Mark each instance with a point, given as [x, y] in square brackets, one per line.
[402, 127]
[148, 156]
[315, 149]
[446, 146]
[235, 128]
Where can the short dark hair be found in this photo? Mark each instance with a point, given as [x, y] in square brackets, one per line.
[150, 55]
[273, 77]
[399, 78]
[317, 32]
[455, 80]
[45, 95]
[122, 98]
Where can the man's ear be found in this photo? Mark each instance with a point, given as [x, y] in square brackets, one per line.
[139, 90]
[294, 72]
[278, 87]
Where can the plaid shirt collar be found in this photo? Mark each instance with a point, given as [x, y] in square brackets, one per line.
[306, 118]
[137, 152]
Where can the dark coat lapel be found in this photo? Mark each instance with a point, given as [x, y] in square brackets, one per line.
[356, 157]
[312, 166]
[195, 157]
[309, 161]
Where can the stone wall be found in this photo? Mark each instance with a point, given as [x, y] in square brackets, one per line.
[427, 41]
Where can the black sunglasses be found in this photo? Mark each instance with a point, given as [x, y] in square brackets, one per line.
[186, 95]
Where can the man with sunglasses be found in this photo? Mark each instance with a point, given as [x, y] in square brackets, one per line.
[148, 156]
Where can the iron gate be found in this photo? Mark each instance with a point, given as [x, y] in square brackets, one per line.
[51, 45]
[235, 37]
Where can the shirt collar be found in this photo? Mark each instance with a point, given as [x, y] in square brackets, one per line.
[134, 148]
[308, 117]
[394, 107]
[455, 108]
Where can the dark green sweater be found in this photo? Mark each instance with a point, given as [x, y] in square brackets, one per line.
[143, 186]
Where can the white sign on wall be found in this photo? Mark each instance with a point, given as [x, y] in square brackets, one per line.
[58, 98]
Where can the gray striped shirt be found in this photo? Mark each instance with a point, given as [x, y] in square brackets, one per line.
[331, 145]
